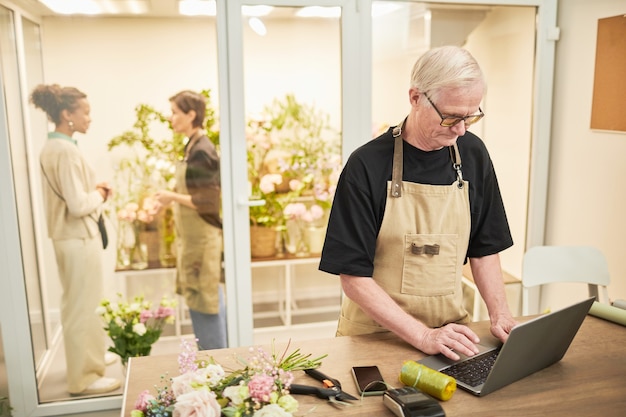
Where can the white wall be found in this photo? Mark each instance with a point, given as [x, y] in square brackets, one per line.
[586, 195]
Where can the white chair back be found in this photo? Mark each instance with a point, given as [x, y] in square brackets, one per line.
[551, 264]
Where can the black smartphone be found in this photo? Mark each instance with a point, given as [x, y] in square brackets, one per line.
[368, 380]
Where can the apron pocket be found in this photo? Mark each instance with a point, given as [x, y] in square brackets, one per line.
[429, 267]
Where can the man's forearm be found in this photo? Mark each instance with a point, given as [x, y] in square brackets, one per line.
[487, 274]
[380, 307]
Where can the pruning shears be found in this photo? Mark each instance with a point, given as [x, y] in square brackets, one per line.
[330, 391]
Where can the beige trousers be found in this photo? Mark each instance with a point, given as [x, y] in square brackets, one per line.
[80, 271]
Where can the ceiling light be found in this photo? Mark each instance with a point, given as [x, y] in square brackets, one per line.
[257, 26]
[257, 11]
[197, 7]
[137, 7]
[73, 6]
[319, 11]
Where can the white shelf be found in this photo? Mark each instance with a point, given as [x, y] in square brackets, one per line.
[288, 306]
[285, 300]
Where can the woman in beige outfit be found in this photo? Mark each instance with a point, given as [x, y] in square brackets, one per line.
[73, 202]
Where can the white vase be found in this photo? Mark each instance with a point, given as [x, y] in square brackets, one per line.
[315, 237]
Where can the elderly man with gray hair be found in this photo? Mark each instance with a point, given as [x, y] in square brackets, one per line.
[411, 207]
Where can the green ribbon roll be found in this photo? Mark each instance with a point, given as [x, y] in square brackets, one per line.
[427, 380]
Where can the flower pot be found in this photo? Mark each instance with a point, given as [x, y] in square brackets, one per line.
[315, 237]
[262, 241]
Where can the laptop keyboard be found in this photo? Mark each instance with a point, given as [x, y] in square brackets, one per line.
[474, 371]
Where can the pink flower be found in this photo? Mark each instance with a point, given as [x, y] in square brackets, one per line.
[268, 182]
[143, 400]
[181, 384]
[260, 387]
[316, 212]
[164, 312]
[201, 403]
[145, 315]
[295, 184]
[295, 210]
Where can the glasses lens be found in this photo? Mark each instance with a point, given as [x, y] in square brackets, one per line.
[451, 121]
[473, 119]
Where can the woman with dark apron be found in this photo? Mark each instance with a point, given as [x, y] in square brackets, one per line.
[198, 223]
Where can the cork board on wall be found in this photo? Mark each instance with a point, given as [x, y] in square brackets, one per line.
[608, 111]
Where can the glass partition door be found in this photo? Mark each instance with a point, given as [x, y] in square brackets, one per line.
[288, 75]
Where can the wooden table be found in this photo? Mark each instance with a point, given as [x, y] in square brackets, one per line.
[588, 381]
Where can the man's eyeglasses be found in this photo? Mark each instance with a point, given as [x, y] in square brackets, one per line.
[449, 121]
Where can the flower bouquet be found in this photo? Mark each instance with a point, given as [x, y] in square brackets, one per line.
[204, 388]
[135, 327]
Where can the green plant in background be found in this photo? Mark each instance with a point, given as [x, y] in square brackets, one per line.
[172, 148]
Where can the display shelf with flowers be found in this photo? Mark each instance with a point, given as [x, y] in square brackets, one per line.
[204, 388]
[293, 155]
[146, 158]
[135, 326]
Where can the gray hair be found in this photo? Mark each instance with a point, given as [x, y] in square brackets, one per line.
[445, 67]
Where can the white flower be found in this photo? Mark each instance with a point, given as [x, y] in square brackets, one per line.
[212, 374]
[139, 329]
[272, 410]
[200, 403]
[101, 310]
[236, 393]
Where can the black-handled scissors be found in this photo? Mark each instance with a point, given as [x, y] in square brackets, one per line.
[331, 391]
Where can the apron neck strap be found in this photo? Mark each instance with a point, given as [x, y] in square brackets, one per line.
[455, 156]
[396, 173]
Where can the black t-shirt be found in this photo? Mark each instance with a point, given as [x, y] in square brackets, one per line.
[361, 196]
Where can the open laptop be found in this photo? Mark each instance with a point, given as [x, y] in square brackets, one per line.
[531, 346]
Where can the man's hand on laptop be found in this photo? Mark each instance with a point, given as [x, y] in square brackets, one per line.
[502, 326]
[450, 340]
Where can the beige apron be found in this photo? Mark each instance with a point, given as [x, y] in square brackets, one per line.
[420, 250]
[199, 254]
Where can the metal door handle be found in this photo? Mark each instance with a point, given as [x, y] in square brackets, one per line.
[244, 201]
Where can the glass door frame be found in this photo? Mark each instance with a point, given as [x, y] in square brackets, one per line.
[356, 61]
